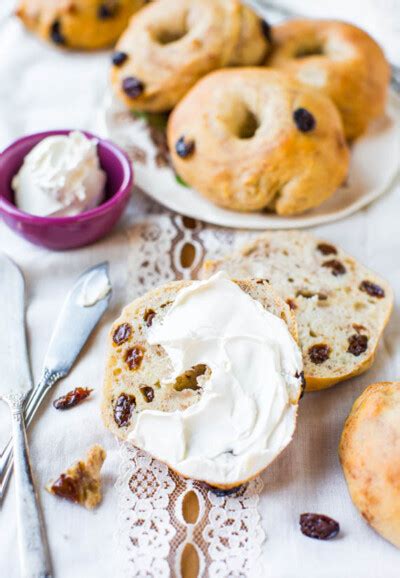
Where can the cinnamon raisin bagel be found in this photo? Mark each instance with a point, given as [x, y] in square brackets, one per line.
[253, 138]
[79, 24]
[339, 59]
[169, 46]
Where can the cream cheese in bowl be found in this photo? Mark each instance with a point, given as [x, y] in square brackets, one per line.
[61, 176]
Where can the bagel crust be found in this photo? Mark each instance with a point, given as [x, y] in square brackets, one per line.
[340, 60]
[370, 455]
[81, 24]
[260, 140]
[168, 46]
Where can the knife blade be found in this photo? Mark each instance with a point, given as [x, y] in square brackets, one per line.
[14, 361]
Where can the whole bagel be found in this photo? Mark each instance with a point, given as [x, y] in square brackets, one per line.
[168, 46]
[370, 456]
[78, 24]
[252, 138]
[339, 59]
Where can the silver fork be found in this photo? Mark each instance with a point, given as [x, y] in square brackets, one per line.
[279, 13]
[74, 325]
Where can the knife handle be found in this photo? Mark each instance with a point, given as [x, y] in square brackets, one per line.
[33, 547]
[34, 400]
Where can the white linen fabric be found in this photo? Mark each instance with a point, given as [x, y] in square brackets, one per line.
[42, 88]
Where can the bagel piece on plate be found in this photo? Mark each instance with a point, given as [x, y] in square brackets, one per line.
[206, 377]
[168, 46]
[341, 61]
[78, 24]
[253, 138]
[370, 455]
[341, 306]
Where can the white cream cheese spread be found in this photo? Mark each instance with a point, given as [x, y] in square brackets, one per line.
[246, 414]
[96, 287]
[60, 176]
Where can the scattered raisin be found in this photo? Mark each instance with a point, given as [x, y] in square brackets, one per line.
[148, 316]
[118, 58]
[292, 304]
[357, 344]
[304, 120]
[372, 289]
[134, 357]
[318, 526]
[123, 409]
[122, 333]
[132, 86]
[55, 33]
[326, 249]
[319, 353]
[66, 487]
[266, 29]
[72, 398]
[337, 268]
[303, 382]
[107, 10]
[221, 493]
[148, 393]
[184, 148]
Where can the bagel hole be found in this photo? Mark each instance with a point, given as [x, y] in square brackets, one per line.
[164, 36]
[306, 51]
[248, 125]
[191, 379]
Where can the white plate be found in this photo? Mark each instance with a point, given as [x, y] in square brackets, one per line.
[375, 163]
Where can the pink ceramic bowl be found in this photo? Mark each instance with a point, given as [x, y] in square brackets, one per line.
[61, 233]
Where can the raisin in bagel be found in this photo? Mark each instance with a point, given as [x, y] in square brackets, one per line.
[341, 306]
[251, 138]
[140, 383]
[168, 46]
[370, 455]
[339, 59]
[78, 24]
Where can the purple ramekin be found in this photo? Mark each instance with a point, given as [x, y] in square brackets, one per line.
[60, 233]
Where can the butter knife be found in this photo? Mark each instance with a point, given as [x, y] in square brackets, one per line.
[75, 323]
[15, 384]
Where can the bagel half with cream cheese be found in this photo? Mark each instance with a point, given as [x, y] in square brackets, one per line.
[252, 138]
[168, 46]
[191, 383]
[340, 60]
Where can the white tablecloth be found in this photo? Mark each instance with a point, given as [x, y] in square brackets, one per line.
[42, 88]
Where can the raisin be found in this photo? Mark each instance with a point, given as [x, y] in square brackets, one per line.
[337, 268]
[148, 316]
[266, 29]
[66, 487]
[304, 120]
[148, 393]
[118, 58]
[357, 344]
[292, 304]
[220, 492]
[122, 333]
[372, 289]
[56, 34]
[303, 382]
[318, 526]
[106, 10]
[123, 409]
[132, 86]
[72, 398]
[326, 249]
[134, 357]
[184, 148]
[319, 353]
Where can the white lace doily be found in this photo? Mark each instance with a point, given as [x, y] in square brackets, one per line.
[226, 535]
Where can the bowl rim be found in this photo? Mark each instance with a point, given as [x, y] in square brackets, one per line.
[125, 188]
